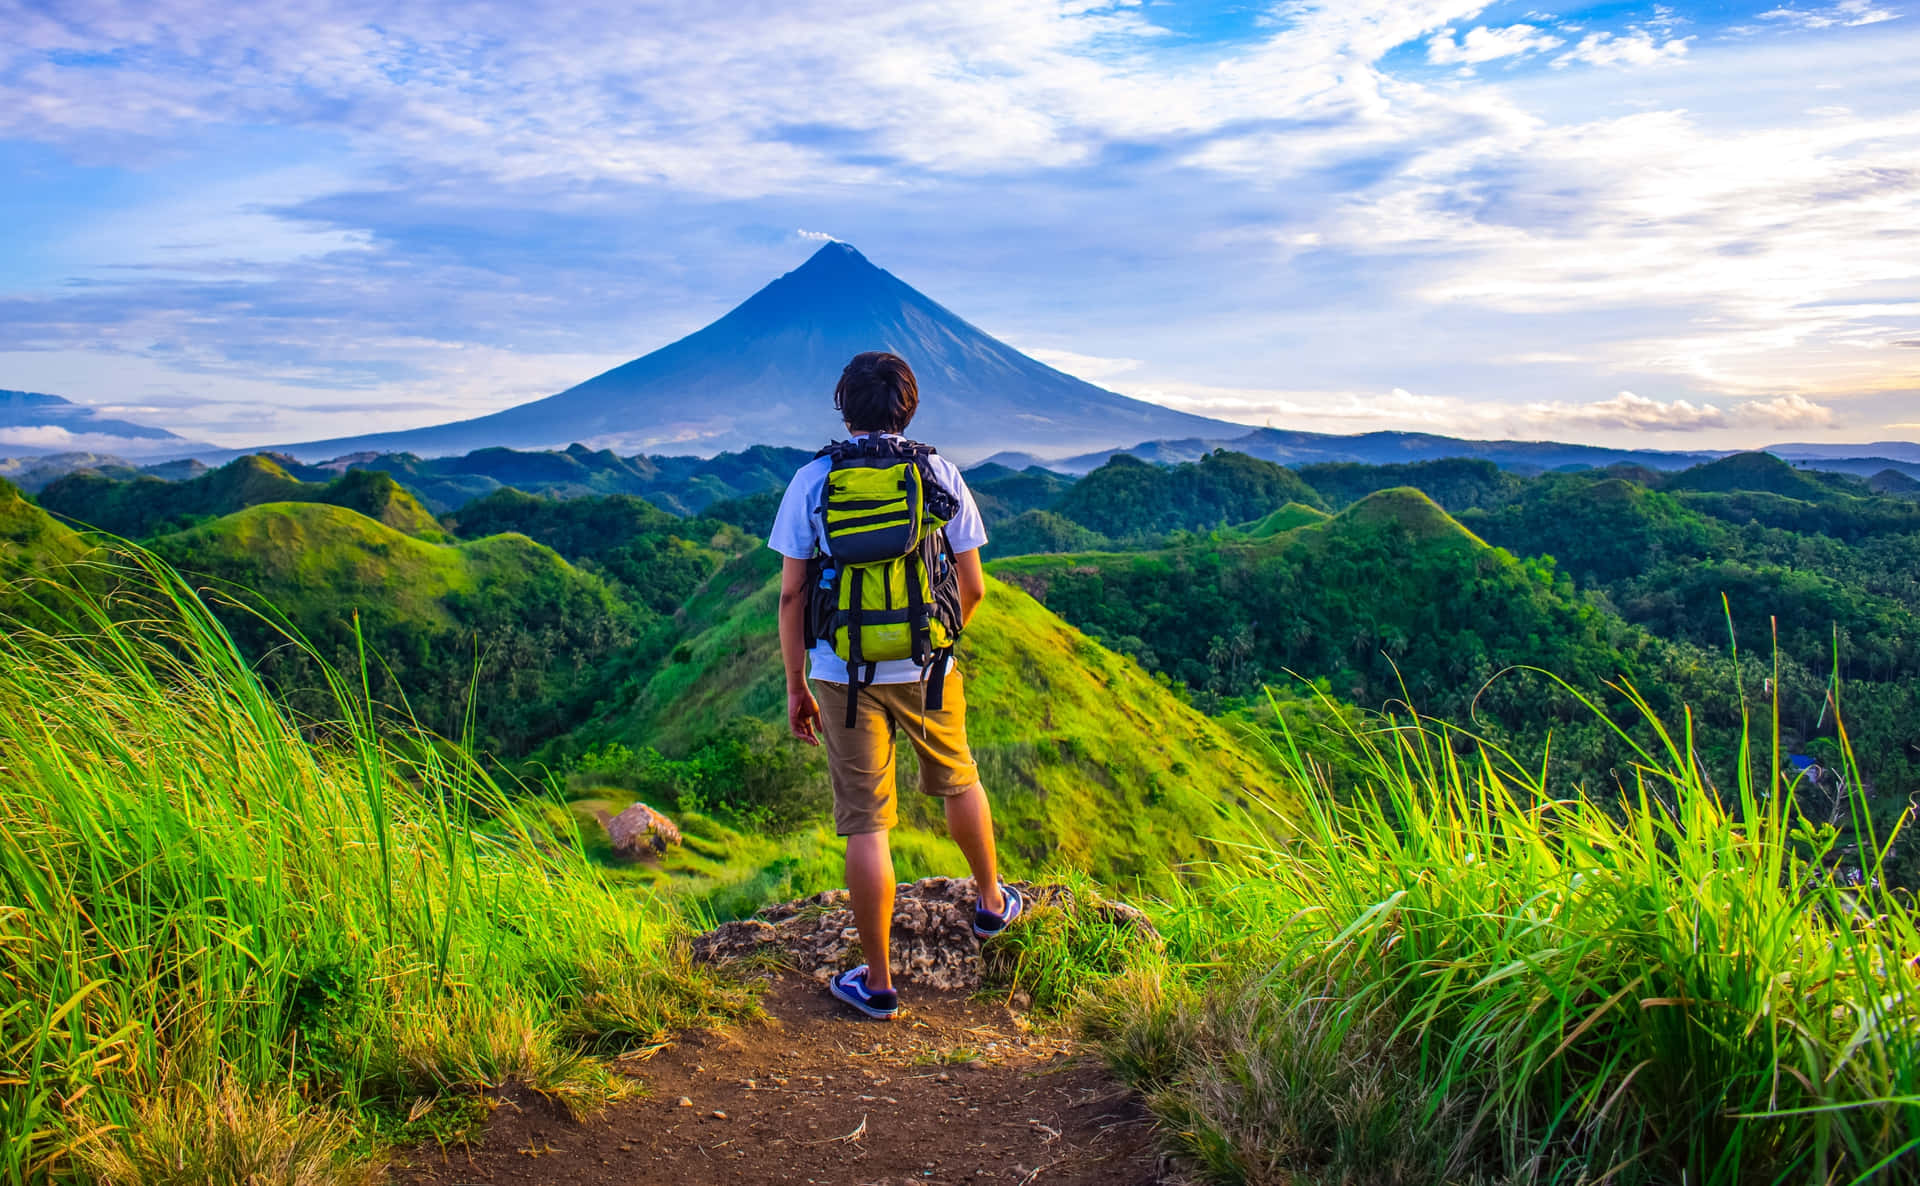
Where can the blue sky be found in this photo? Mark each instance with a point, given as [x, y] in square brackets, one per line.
[1686, 226]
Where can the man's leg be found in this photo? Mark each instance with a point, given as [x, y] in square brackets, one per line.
[947, 769]
[860, 762]
[870, 882]
[970, 823]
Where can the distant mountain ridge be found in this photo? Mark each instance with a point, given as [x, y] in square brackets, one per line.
[33, 423]
[764, 375]
[1295, 447]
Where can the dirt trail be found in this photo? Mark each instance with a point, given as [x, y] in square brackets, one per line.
[953, 1090]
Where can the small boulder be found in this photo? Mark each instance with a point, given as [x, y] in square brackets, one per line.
[639, 831]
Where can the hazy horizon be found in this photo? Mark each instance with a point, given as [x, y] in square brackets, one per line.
[1675, 227]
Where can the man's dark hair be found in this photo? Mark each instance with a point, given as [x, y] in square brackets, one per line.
[877, 393]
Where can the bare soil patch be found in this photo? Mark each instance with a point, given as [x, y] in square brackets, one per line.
[953, 1090]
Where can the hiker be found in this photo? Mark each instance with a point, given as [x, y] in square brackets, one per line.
[882, 544]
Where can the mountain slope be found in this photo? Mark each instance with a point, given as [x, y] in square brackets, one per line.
[765, 372]
[1090, 762]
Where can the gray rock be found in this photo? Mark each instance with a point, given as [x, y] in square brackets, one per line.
[933, 943]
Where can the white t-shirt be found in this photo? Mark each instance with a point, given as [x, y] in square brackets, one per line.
[798, 530]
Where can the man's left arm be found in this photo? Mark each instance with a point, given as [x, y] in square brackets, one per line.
[972, 580]
[966, 535]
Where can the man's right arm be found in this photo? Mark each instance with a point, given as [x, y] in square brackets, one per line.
[803, 715]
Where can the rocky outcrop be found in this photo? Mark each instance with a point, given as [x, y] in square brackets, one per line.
[933, 943]
[639, 831]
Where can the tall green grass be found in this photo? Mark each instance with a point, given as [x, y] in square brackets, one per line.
[1453, 976]
[234, 945]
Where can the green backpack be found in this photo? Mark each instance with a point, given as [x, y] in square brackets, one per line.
[885, 586]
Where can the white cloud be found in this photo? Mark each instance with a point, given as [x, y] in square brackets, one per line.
[1721, 253]
[815, 236]
[1484, 44]
[1092, 368]
[52, 438]
[1846, 14]
[728, 100]
[1621, 419]
[1759, 243]
[1787, 411]
[1633, 48]
[1630, 411]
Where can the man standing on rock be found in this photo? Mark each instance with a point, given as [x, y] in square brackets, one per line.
[882, 544]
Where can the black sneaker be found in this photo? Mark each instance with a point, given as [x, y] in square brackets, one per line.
[987, 924]
[850, 987]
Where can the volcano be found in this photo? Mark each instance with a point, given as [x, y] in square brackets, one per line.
[765, 372]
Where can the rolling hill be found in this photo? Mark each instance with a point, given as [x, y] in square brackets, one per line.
[681, 484]
[1391, 598]
[501, 625]
[32, 541]
[1090, 762]
[1127, 497]
[145, 506]
[764, 374]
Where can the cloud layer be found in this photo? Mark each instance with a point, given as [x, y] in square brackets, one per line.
[429, 210]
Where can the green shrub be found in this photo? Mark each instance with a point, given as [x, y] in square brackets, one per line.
[748, 772]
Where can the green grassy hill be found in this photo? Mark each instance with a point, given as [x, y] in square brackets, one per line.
[683, 485]
[1751, 490]
[503, 615]
[1129, 499]
[1285, 519]
[1601, 529]
[656, 559]
[1894, 484]
[1390, 598]
[1040, 531]
[40, 559]
[1003, 492]
[147, 506]
[1762, 472]
[30, 539]
[1090, 762]
[1455, 483]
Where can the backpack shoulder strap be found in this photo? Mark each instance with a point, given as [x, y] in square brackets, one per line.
[944, 503]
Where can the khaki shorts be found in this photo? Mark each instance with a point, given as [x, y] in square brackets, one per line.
[860, 760]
